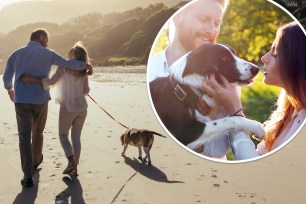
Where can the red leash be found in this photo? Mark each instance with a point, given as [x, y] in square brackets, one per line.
[107, 112]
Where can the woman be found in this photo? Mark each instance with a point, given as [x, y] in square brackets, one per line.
[72, 88]
[285, 67]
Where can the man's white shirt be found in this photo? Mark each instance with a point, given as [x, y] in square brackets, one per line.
[157, 66]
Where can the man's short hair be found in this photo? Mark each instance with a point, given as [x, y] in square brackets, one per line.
[37, 33]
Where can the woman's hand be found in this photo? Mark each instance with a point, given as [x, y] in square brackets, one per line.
[226, 94]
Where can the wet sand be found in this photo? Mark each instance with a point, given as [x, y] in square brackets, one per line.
[176, 176]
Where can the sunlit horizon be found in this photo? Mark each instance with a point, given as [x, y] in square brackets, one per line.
[8, 2]
[16, 13]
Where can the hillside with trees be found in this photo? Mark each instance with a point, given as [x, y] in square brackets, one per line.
[19, 13]
[122, 38]
[125, 38]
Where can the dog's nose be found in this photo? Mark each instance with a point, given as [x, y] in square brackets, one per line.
[254, 70]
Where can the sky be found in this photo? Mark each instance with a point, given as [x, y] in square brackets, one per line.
[7, 2]
[16, 13]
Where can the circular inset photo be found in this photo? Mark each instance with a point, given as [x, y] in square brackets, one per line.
[227, 80]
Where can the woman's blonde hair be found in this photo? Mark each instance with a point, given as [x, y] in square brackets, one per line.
[291, 61]
[80, 52]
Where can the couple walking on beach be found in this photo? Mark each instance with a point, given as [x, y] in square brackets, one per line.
[30, 66]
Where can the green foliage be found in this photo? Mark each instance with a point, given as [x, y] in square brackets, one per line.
[96, 32]
[21, 35]
[250, 28]
[90, 19]
[296, 7]
[153, 24]
[115, 37]
[258, 99]
[258, 102]
[121, 61]
[161, 42]
[64, 40]
[136, 45]
[230, 156]
[127, 35]
[129, 38]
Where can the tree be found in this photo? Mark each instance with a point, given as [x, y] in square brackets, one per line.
[136, 46]
[296, 7]
[250, 28]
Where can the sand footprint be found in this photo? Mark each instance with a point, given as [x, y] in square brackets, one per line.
[216, 185]
[214, 176]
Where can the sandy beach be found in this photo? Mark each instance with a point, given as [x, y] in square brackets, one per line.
[176, 176]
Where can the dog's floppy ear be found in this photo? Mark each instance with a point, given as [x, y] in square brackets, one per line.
[189, 67]
[198, 61]
[230, 48]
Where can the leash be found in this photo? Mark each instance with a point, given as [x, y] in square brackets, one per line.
[107, 112]
[123, 187]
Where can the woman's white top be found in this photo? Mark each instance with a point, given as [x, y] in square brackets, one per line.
[287, 134]
[72, 86]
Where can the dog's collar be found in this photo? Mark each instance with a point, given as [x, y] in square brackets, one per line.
[203, 107]
[185, 94]
[179, 92]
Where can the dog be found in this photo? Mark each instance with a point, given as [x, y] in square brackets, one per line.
[190, 115]
[139, 138]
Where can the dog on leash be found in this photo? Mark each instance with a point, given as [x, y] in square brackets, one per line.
[139, 138]
[188, 113]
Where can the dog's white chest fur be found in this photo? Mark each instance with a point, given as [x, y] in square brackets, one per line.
[194, 67]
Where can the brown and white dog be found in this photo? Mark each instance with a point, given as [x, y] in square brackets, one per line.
[176, 97]
[139, 138]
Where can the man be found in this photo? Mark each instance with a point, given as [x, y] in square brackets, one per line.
[196, 24]
[31, 100]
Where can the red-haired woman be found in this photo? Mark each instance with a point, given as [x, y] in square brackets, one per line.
[284, 67]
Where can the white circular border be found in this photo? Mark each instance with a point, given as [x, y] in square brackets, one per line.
[198, 154]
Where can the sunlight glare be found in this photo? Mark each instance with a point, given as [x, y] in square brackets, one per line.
[7, 2]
